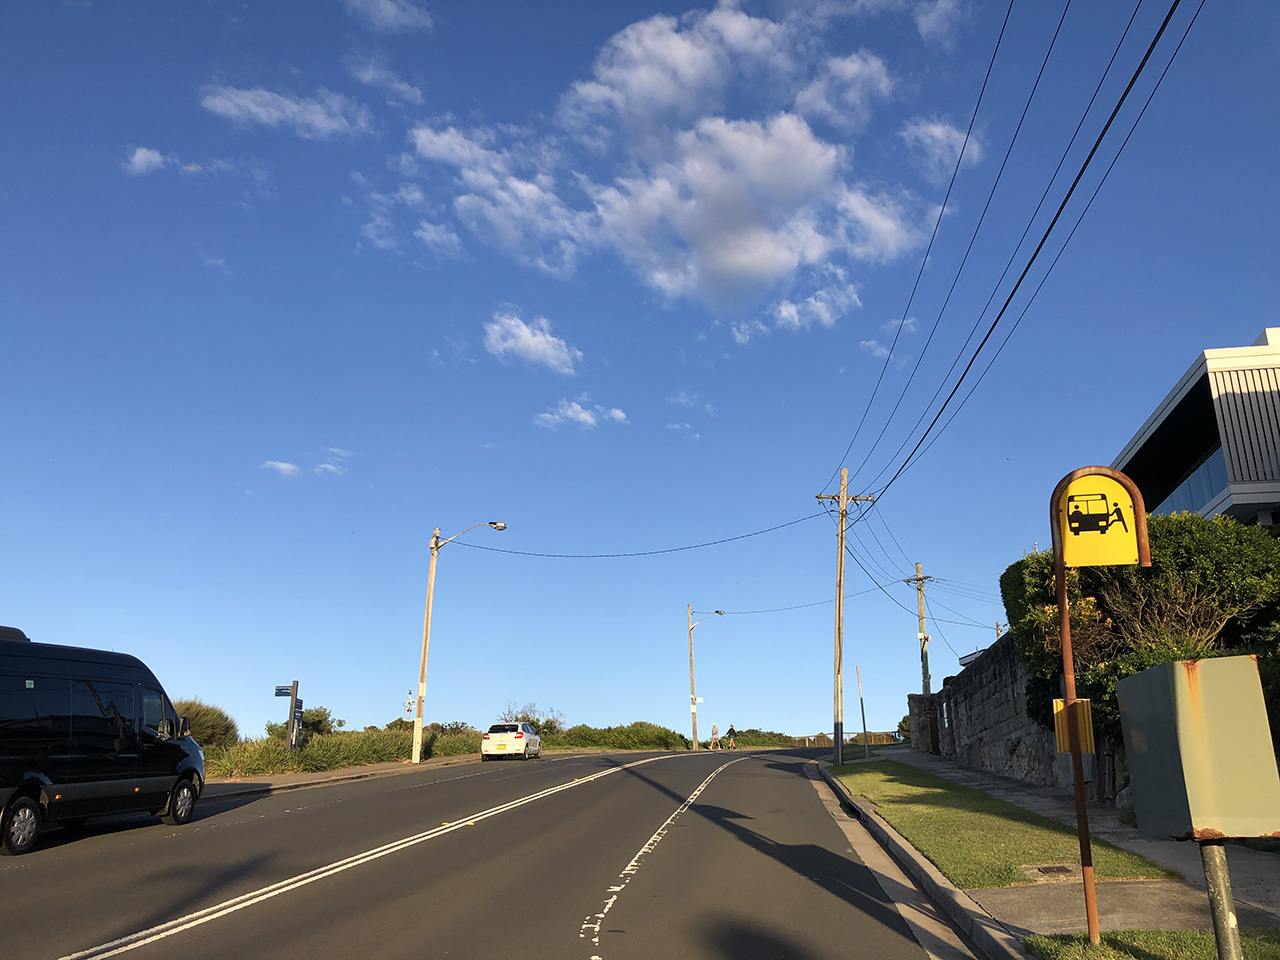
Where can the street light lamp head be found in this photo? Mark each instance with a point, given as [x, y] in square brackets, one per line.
[720, 612]
[497, 524]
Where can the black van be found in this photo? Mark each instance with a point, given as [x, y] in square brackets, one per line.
[87, 732]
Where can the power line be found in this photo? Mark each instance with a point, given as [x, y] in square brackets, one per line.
[941, 635]
[1017, 246]
[968, 622]
[1062, 250]
[925, 259]
[968, 250]
[1040, 246]
[641, 553]
[798, 606]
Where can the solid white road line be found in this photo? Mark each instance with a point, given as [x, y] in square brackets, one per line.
[591, 925]
[169, 929]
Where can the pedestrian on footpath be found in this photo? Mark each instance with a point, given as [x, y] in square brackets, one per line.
[715, 736]
[729, 735]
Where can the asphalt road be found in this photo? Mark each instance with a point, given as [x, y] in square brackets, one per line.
[707, 855]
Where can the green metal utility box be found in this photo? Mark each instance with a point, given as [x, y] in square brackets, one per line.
[1201, 763]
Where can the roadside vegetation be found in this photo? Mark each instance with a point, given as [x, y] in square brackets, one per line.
[1212, 590]
[326, 745]
[974, 839]
[1152, 945]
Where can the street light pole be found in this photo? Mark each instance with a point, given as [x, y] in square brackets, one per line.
[693, 697]
[436, 544]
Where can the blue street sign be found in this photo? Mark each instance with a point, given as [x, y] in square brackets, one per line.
[286, 691]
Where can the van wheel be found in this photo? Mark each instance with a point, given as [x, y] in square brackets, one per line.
[182, 803]
[21, 826]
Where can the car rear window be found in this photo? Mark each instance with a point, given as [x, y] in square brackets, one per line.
[504, 728]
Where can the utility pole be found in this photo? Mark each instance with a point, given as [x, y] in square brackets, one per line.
[919, 580]
[842, 500]
[693, 697]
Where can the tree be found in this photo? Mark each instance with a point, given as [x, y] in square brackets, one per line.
[549, 722]
[211, 726]
[904, 729]
[1211, 583]
[315, 721]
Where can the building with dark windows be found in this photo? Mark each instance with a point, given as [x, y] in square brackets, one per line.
[1213, 444]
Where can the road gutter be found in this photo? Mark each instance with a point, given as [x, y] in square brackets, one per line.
[982, 929]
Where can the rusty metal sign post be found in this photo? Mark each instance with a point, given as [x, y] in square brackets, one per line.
[1098, 519]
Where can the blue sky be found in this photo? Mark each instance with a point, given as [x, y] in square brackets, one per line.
[285, 286]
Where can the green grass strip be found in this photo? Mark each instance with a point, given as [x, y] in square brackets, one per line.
[973, 838]
[1151, 945]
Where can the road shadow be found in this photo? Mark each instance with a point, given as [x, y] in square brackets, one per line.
[847, 879]
[57, 835]
[736, 939]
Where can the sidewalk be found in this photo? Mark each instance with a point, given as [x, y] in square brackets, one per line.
[1057, 906]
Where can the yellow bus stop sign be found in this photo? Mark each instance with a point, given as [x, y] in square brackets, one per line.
[1096, 523]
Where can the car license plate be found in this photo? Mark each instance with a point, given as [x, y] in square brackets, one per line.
[502, 746]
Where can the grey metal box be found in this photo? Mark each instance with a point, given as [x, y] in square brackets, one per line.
[1201, 762]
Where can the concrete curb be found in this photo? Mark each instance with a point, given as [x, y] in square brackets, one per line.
[323, 780]
[982, 929]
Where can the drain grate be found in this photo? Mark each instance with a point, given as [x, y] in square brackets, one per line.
[1054, 869]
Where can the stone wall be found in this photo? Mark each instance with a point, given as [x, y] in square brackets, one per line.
[982, 722]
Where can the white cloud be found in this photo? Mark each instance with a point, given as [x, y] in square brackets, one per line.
[645, 163]
[685, 430]
[507, 335]
[573, 411]
[935, 145]
[284, 469]
[823, 307]
[845, 88]
[143, 161]
[374, 73]
[440, 239]
[743, 331]
[731, 213]
[391, 16]
[216, 263]
[909, 325]
[662, 72]
[937, 20]
[329, 470]
[874, 348]
[322, 117]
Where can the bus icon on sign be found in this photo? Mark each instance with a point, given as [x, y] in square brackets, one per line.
[1090, 512]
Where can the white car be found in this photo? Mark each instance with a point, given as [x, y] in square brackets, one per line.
[510, 740]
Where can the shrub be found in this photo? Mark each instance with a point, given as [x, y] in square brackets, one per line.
[211, 726]
[759, 738]
[636, 736]
[1213, 589]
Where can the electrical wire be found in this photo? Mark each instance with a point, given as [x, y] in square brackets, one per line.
[1017, 246]
[641, 553]
[1079, 220]
[1039, 247]
[798, 606]
[925, 259]
[968, 250]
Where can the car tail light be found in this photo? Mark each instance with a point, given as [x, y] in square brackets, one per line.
[519, 735]
[485, 737]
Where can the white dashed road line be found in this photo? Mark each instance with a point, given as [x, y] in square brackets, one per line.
[181, 924]
[591, 925]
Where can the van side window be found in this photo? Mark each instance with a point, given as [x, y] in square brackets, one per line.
[102, 717]
[35, 715]
[154, 713]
